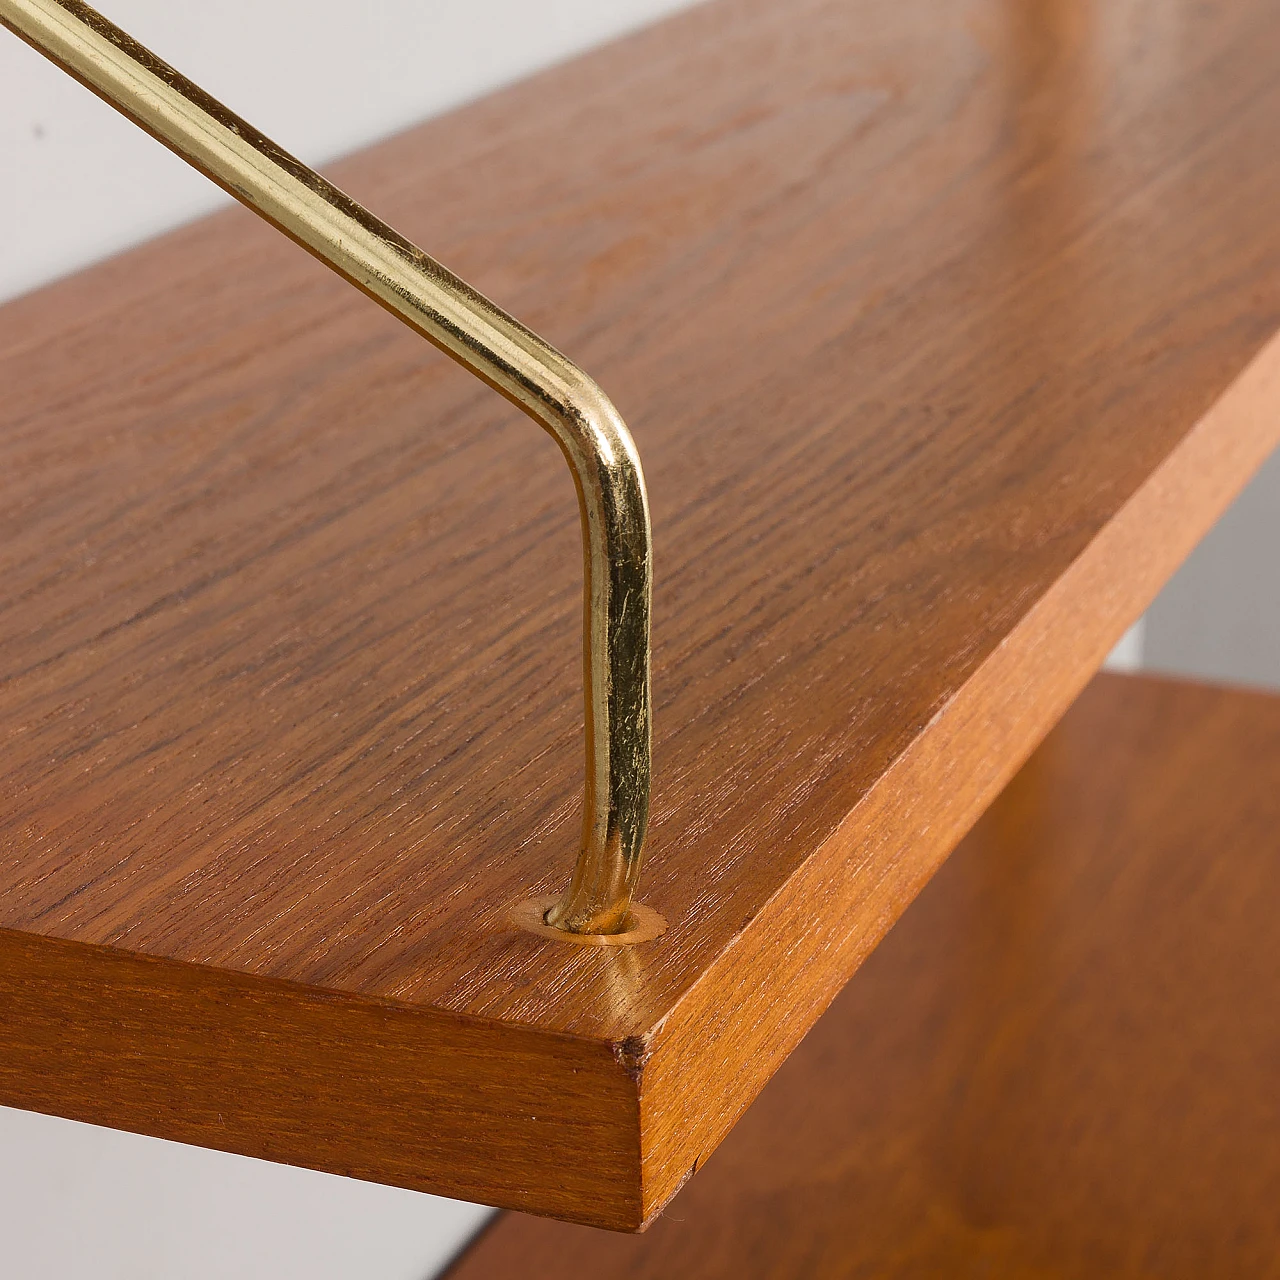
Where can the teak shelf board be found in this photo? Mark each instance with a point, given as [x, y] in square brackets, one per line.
[944, 330]
[1061, 1062]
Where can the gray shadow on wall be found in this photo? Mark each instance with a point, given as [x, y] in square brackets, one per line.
[1219, 616]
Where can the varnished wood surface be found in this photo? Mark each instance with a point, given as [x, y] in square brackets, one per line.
[934, 323]
[1060, 1063]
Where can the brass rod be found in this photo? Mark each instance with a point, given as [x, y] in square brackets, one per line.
[518, 364]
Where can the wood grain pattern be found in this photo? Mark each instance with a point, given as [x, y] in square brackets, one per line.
[1060, 1063]
[944, 330]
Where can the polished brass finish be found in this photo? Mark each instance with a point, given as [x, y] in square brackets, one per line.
[511, 359]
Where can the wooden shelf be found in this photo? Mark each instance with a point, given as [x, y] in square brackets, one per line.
[944, 331]
[1062, 1060]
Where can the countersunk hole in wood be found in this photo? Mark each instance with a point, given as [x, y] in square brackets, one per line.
[645, 925]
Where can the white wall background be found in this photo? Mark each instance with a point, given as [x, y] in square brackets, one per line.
[79, 1201]
[1219, 618]
[76, 184]
[320, 77]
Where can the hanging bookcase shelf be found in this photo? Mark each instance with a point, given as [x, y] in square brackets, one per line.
[943, 336]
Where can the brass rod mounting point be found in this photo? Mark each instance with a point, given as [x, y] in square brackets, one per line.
[555, 393]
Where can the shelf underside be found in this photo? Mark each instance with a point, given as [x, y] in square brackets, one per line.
[944, 330]
[1062, 1061]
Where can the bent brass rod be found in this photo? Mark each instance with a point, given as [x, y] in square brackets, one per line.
[496, 348]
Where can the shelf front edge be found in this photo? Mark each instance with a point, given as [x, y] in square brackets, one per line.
[414, 1097]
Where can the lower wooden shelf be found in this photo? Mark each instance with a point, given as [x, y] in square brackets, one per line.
[1063, 1060]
